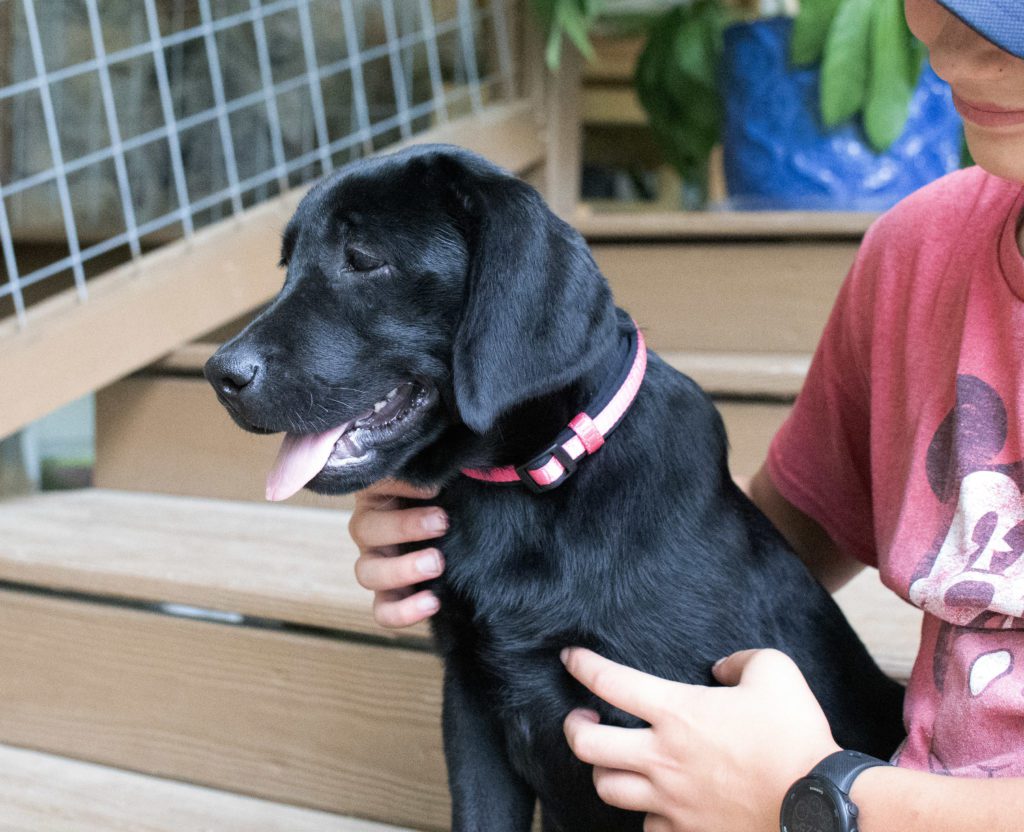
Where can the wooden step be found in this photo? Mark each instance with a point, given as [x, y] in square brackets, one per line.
[164, 431]
[292, 565]
[44, 792]
[226, 644]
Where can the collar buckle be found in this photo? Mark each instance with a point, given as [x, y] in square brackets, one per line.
[555, 451]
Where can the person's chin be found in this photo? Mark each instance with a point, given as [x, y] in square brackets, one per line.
[999, 150]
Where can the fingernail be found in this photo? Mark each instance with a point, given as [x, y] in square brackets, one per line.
[564, 655]
[436, 522]
[428, 603]
[719, 663]
[586, 713]
[429, 563]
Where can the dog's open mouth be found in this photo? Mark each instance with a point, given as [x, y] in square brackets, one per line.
[303, 456]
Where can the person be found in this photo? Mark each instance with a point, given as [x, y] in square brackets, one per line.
[903, 452]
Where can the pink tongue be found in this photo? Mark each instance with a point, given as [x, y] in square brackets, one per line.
[300, 459]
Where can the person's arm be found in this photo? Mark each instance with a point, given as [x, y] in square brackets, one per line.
[900, 800]
[721, 759]
[822, 556]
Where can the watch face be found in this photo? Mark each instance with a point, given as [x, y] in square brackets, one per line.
[810, 808]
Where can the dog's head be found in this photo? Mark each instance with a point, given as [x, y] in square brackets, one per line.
[425, 291]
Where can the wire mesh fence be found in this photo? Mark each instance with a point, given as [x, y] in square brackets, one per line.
[128, 123]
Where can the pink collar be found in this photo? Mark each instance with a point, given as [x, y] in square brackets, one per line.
[584, 435]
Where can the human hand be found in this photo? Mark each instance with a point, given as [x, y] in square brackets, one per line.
[378, 525]
[713, 758]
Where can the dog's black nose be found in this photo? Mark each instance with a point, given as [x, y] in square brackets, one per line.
[231, 372]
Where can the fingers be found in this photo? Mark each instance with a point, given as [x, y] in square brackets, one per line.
[387, 490]
[378, 572]
[373, 526]
[756, 667]
[606, 745]
[379, 526]
[635, 692]
[657, 823]
[625, 789]
[396, 609]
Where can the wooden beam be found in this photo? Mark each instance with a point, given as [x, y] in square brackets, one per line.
[142, 310]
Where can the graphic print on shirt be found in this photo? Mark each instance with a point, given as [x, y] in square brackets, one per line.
[973, 580]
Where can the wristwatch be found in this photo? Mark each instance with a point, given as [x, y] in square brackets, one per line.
[820, 802]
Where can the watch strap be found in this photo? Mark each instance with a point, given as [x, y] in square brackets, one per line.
[843, 767]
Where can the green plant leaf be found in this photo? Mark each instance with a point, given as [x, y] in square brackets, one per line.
[571, 18]
[844, 66]
[676, 82]
[895, 66]
[575, 24]
[810, 30]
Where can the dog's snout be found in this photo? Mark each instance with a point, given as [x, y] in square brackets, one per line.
[235, 378]
[230, 373]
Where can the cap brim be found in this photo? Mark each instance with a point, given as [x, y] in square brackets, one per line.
[1000, 21]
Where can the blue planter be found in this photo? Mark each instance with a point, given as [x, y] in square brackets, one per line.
[778, 155]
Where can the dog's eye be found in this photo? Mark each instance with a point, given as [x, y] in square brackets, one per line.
[360, 261]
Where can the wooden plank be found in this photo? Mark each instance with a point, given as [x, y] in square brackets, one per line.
[509, 135]
[750, 428]
[189, 358]
[55, 794]
[284, 563]
[612, 105]
[318, 722]
[644, 224]
[138, 312]
[727, 297]
[775, 375]
[170, 435]
[616, 59]
[734, 373]
[564, 136]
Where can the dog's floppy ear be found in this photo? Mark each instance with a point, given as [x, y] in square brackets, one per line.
[537, 312]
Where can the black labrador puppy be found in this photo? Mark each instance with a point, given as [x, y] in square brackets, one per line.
[437, 318]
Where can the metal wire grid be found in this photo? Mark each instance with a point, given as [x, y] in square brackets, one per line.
[432, 48]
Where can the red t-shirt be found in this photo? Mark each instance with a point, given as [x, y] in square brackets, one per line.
[907, 445]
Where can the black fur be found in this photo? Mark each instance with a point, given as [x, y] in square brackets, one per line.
[434, 265]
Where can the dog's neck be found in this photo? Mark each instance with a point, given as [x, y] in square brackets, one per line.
[523, 431]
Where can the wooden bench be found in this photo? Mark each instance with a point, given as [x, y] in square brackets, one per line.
[227, 645]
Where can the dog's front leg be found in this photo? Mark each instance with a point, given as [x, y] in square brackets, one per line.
[487, 795]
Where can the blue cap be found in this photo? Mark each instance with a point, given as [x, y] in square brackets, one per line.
[1000, 21]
